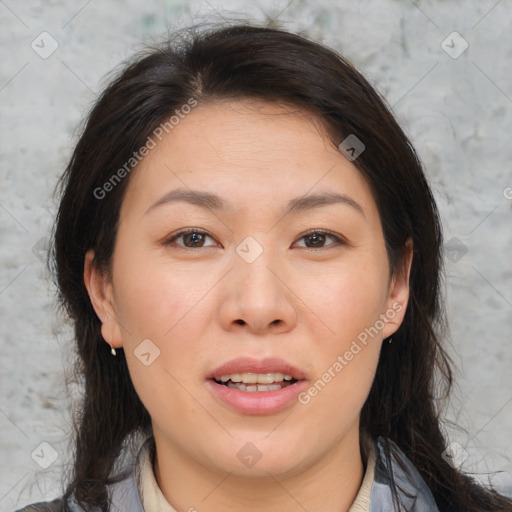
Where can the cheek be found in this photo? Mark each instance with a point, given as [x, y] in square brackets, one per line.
[153, 299]
[346, 367]
[159, 309]
[347, 299]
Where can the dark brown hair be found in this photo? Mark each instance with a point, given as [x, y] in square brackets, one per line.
[237, 62]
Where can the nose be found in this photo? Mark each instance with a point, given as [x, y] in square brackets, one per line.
[258, 298]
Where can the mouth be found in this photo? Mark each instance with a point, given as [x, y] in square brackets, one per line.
[252, 386]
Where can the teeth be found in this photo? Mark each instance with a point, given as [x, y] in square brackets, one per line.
[255, 387]
[256, 378]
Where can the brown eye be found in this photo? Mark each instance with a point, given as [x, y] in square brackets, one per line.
[317, 239]
[192, 239]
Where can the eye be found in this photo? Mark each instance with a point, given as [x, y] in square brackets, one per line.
[195, 238]
[317, 239]
[192, 238]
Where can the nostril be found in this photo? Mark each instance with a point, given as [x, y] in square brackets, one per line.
[240, 322]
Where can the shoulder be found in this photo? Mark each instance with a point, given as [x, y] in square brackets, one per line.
[123, 492]
[56, 505]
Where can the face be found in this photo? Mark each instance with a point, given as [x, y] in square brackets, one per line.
[251, 321]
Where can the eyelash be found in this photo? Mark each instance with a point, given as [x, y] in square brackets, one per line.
[188, 231]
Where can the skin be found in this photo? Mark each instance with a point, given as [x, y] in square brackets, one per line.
[189, 303]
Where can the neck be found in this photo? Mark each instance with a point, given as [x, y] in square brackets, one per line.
[329, 484]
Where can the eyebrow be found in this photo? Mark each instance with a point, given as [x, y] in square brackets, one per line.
[211, 201]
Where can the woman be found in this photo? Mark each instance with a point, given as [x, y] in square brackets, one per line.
[250, 253]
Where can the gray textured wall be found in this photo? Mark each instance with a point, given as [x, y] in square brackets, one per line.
[454, 102]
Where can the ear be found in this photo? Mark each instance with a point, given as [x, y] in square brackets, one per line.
[398, 296]
[99, 288]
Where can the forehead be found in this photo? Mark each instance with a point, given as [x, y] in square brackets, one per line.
[237, 129]
[250, 152]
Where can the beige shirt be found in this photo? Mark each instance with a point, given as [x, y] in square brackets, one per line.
[153, 499]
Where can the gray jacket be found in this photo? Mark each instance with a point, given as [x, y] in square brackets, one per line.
[412, 493]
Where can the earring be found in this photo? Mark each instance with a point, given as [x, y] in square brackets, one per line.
[390, 339]
[112, 349]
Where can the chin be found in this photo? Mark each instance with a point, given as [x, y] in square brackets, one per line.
[263, 458]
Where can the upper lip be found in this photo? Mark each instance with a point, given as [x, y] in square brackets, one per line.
[251, 365]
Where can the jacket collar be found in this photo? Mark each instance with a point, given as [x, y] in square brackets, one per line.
[412, 493]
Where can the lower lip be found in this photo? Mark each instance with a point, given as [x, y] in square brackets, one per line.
[257, 402]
